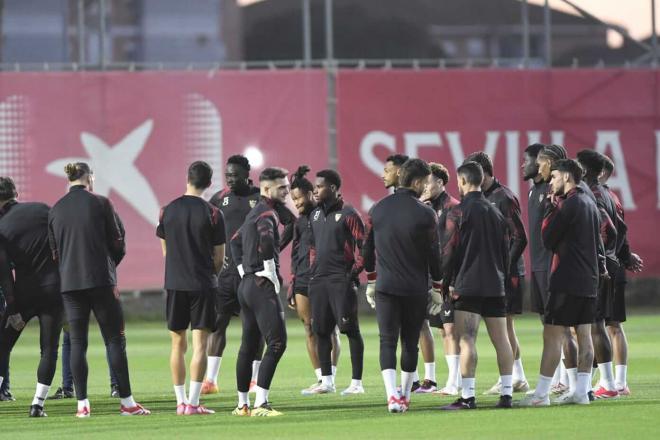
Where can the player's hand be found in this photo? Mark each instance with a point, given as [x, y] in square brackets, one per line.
[436, 297]
[291, 297]
[270, 273]
[636, 263]
[16, 321]
[370, 293]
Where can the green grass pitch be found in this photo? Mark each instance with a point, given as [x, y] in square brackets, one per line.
[329, 416]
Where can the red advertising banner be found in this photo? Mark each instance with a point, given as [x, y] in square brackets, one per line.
[444, 115]
[140, 131]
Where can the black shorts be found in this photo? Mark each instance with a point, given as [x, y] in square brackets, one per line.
[301, 287]
[191, 308]
[226, 299]
[446, 315]
[334, 303]
[569, 310]
[538, 292]
[515, 287]
[606, 293]
[618, 310]
[487, 307]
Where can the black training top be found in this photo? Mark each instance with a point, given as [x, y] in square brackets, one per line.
[506, 201]
[539, 256]
[258, 240]
[571, 229]
[235, 206]
[338, 233]
[191, 227]
[24, 228]
[6, 282]
[475, 254]
[402, 244]
[609, 224]
[87, 239]
[300, 249]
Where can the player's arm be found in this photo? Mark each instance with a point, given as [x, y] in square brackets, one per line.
[218, 238]
[434, 255]
[236, 244]
[160, 232]
[6, 282]
[288, 220]
[51, 239]
[517, 235]
[450, 242]
[608, 231]
[369, 259]
[369, 246]
[266, 227]
[355, 227]
[114, 233]
[556, 223]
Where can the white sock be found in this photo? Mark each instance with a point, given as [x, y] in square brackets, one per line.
[40, 394]
[180, 393]
[327, 381]
[621, 376]
[317, 371]
[583, 384]
[543, 386]
[389, 378]
[243, 399]
[261, 396]
[193, 393]
[429, 371]
[128, 402]
[255, 370]
[83, 403]
[556, 378]
[594, 370]
[572, 379]
[407, 380]
[213, 368]
[356, 382]
[606, 376]
[453, 361]
[507, 385]
[415, 376]
[468, 387]
[564, 376]
[518, 371]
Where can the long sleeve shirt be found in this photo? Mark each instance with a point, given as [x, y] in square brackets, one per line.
[571, 230]
[402, 244]
[475, 253]
[87, 239]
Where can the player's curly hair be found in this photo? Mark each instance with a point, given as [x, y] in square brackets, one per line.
[298, 180]
[76, 170]
[440, 171]
[240, 160]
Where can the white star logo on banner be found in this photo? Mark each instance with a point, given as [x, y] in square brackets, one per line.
[114, 169]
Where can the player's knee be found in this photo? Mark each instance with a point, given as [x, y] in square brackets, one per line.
[277, 346]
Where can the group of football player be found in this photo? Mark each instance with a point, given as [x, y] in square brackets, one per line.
[431, 261]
